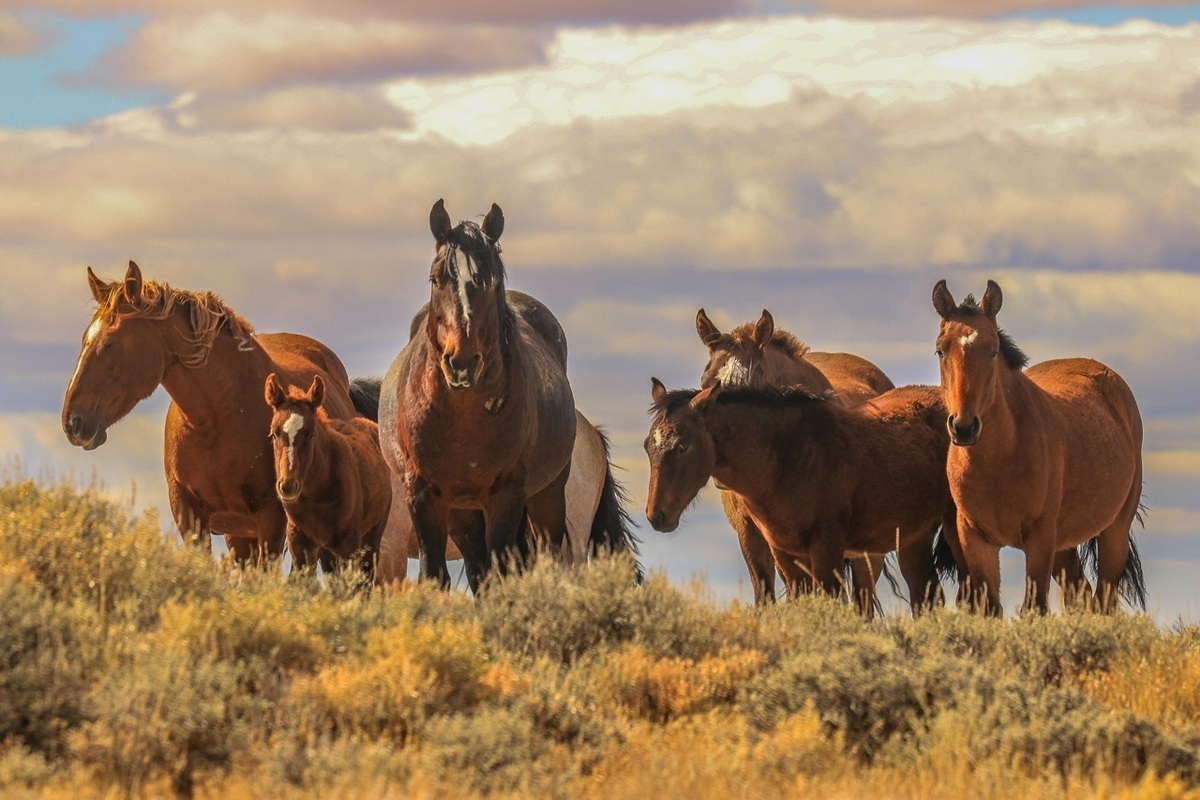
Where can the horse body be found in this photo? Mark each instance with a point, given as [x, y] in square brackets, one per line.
[330, 477]
[818, 479]
[1045, 459]
[759, 354]
[216, 453]
[476, 415]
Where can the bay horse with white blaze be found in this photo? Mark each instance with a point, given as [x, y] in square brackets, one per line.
[759, 354]
[330, 477]
[1044, 459]
[817, 478]
[218, 459]
[476, 415]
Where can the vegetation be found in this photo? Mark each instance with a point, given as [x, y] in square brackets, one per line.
[132, 666]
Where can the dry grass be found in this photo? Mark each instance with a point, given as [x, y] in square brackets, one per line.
[131, 667]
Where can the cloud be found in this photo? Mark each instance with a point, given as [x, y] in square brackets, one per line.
[324, 109]
[952, 8]
[16, 38]
[224, 50]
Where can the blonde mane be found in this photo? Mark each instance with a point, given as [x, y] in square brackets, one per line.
[207, 315]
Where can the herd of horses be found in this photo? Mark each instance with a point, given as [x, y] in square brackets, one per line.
[471, 446]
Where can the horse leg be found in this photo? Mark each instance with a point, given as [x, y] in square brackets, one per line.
[983, 568]
[468, 530]
[548, 515]
[865, 570]
[429, 518]
[504, 525]
[826, 555]
[920, 575]
[1039, 564]
[1068, 571]
[797, 580]
[243, 549]
[1113, 548]
[760, 561]
[193, 524]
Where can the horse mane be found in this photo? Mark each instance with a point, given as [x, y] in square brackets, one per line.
[207, 315]
[1013, 356]
[784, 341]
[768, 396]
[484, 265]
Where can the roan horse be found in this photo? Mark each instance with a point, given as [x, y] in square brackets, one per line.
[818, 479]
[476, 415]
[330, 477]
[218, 458]
[1044, 459]
[759, 354]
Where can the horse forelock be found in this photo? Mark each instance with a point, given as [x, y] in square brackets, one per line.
[207, 315]
[471, 258]
[1013, 355]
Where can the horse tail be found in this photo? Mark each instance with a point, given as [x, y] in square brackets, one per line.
[612, 527]
[364, 394]
[885, 572]
[943, 557]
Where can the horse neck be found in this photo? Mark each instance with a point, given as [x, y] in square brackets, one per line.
[321, 476]
[749, 443]
[225, 390]
[1002, 418]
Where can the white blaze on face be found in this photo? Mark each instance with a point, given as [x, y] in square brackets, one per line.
[967, 341]
[658, 437]
[291, 427]
[733, 373]
[92, 332]
[463, 276]
[88, 337]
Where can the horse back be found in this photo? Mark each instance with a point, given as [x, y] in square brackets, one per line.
[540, 319]
[298, 358]
[853, 378]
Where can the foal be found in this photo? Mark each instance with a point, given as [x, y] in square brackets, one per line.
[330, 477]
[817, 478]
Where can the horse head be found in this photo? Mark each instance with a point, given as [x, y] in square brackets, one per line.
[294, 427]
[121, 360]
[972, 351]
[467, 323]
[680, 451]
[737, 358]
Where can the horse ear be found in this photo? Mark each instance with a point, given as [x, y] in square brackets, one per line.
[493, 223]
[439, 221]
[943, 301]
[274, 392]
[993, 298]
[657, 390]
[133, 282]
[316, 392]
[709, 333]
[704, 398]
[99, 288]
[764, 329]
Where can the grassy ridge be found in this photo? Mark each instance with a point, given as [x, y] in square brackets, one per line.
[129, 666]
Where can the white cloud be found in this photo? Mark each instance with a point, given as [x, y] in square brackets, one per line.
[16, 38]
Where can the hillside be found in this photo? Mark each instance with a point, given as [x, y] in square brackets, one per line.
[132, 666]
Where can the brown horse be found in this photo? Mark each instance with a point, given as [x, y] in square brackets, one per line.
[476, 415]
[330, 477]
[818, 479]
[218, 457]
[1044, 459]
[759, 354]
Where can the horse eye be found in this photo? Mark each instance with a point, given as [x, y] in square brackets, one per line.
[681, 448]
[939, 352]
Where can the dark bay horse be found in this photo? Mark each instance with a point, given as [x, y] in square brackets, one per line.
[1044, 458]
[818, 479]
[759, 354]
[476, 415]
[218, 458]
[330, 477]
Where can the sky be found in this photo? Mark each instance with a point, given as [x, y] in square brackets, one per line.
[828, 160]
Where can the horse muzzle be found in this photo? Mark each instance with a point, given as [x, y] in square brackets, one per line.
[963, 436]
[461, 373]
[660, 521]
[84, 432]
[288, 489]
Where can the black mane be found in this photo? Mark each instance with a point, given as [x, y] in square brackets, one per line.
[485, 267]
[769, 396]
[1013, 356]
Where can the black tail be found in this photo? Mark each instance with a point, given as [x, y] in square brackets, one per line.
[612, 526]
[364, 393]
[1132, 584]
[943, 557]
[885, 572]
